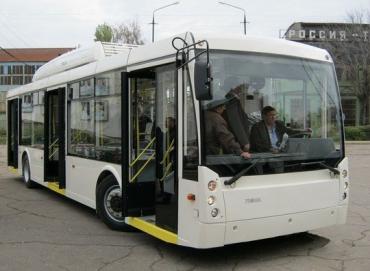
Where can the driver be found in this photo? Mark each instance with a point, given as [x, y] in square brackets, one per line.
[267, 134]
[218, 135]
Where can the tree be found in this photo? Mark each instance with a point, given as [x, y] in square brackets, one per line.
[351, 54]
[103, 33]
[129, 33]
[355, 57]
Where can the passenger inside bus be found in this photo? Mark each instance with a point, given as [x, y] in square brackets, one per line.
[218, 135]
[267, 135]
[236, 117]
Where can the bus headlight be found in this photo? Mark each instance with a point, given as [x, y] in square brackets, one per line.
[214, 212]
[212, 185]
[211, 200]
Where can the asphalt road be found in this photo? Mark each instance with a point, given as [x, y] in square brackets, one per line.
[40, 230]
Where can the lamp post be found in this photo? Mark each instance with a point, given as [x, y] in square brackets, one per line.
[245, 18]
[153, 22]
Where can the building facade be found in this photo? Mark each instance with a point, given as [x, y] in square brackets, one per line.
[349, 45]
[17, 67]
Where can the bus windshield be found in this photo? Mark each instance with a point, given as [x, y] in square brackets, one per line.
[300, 123]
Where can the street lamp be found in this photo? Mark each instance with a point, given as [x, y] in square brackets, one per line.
[245, 19]
[153, 22]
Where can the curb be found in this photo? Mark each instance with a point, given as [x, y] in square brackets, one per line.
[358, 142]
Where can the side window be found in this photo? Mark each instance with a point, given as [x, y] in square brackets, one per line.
[27, 108]
[94, 118]
[108, 117]
[38, 120]
[190, 148]
[81, 137]
[142, 89]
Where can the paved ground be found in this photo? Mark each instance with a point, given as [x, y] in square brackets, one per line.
[40, 230]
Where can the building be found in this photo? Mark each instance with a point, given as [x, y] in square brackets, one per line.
[349, 45]
[17, 67]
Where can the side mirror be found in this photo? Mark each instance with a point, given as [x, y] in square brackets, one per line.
[202, 81]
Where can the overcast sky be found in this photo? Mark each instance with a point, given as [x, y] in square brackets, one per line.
[67, 23]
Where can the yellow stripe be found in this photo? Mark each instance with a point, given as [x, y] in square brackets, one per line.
[152, 229]
[13, 170]
[55, 187]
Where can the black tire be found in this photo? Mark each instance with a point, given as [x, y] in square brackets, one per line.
[109, 204]
[26, 174]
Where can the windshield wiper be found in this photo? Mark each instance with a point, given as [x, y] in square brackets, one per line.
[321, 163]
[240, 173]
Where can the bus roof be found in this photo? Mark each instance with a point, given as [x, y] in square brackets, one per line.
[132, 57]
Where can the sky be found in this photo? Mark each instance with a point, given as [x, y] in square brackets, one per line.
[71, 23]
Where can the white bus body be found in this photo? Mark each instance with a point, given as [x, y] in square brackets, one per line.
[162, 192]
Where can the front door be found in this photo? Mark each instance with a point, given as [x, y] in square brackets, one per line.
[13, 115]
[54, 151]
[166, 148]
[149, 165]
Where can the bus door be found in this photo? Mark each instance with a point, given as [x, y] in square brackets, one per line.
[138, 169]
[13, 115]
[166, 150]
[150, 184]
[54, 150]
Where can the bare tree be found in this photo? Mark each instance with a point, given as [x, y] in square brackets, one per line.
[351, 55]
[129, 32]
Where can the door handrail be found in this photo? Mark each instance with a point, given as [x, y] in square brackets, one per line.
[142, 153]
[142, 168]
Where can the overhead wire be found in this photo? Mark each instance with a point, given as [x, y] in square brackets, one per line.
[10, 30]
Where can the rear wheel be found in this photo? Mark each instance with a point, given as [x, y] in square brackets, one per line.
[26, 173]
[109, 204]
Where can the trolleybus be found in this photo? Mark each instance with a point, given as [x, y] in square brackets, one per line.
[122, 129]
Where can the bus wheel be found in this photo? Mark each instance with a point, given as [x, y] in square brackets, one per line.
[26, 173]
[109, 204]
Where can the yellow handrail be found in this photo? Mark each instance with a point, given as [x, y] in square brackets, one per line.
[51, 155]
[166, 171]
[141, 154]
[166, 154]
[142, 168]
[52, 144]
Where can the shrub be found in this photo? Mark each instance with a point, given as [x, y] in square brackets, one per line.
[357, 132]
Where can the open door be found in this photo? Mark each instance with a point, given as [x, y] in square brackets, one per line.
[54, 150]
[166, 148]
[13, 134]
[149, 165]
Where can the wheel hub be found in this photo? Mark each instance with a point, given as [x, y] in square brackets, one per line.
[113, 203]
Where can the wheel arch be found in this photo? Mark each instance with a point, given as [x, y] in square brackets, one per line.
[106, 171]
[26, 153]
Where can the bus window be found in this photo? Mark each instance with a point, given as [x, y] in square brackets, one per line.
[81, 120]
[94, 114]
[108, 117]
[26, 129]
[190, 148]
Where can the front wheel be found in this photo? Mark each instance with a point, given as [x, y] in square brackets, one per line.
[109, 204]
[26, 174]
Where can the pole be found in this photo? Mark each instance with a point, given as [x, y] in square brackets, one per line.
[153, 22]
[242, 9]
[245, 24]
[153, 28]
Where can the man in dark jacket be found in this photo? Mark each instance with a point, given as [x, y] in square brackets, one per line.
[237, 118]
[218, 135]
[267, 134]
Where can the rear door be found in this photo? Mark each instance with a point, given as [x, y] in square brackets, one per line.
[54, 150]
[13, 135]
